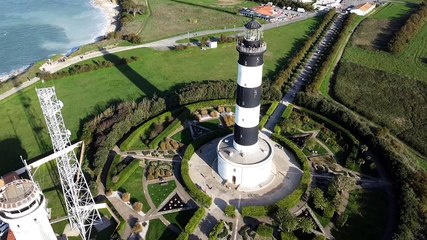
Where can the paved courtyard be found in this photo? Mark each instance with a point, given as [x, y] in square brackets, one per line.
[285, 176]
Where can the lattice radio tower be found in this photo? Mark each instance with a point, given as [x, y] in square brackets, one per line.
[80, 205]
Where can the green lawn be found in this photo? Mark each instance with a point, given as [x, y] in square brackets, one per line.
[183, 136]
[156, 71]
[367, 214]
[134, 186]
[180, 219]
[185, 18]
[212, 124]
[158, 231]
[158, 193]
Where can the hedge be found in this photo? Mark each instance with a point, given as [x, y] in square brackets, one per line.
[254, 211]
[265, 231]
[272, 107]
[217, 229]
[125, 174]
[141, 130]
[183, 236]
[169, 130]
[116, 161]
[263, 121]
[195, 220]
[288, 111]
[302, 188]
[196, 193]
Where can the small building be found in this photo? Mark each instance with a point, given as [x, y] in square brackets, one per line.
[213, 44]
[363, 9]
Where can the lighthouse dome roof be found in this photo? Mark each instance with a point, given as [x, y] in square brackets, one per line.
[252, 25]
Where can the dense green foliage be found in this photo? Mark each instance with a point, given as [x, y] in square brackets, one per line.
[288, 111]
[265, 231]
[195, 220]
[217, 229]
[401, 107]
[284, 75]
[396, 160]
[230, 211]
[411, 28]
[125, 174]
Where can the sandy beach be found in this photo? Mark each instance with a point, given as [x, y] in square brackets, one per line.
[110, 9]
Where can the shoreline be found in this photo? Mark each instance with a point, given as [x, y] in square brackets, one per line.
[110, 11]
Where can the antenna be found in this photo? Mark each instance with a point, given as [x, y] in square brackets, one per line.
[78, 198]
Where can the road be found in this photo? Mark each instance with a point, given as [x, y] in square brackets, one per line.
[304, 72]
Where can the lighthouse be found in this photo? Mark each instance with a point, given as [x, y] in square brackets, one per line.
[245, 159]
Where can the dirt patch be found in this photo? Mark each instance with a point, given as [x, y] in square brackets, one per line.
[228, 2]
[375, 34]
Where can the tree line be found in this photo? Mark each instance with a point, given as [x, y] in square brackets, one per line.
[411, 28]
[283, 77]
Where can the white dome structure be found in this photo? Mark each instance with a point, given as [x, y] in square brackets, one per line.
[246, 170]
[23, 207]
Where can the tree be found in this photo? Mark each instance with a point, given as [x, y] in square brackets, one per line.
[306, 224]
[286, 220]
[319, 200]
[126, 197]
[137, 206]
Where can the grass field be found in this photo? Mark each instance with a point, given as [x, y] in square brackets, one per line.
[367, 214]
[134, 186]
[23, 128]
[389, 89]
[169, 18]
[158, 193]
[157, 230]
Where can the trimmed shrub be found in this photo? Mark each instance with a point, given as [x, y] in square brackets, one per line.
[217, 229]
[254, 211]
[287, 236]
[137, 206]
[125, 174]
[195, 220]
[183, 236]
[288, 111]
[265, 231]
[263, 121]
[230, 211]
[126, 197]
[272, 107]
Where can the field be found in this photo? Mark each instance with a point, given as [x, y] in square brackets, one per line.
[366, 210]
[23, 128]
[389, 89]
[169, 18]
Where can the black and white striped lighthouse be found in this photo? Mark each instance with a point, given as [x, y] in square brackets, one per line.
[244, 159]
[249, 78]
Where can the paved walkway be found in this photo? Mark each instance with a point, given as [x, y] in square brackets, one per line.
[18, 88]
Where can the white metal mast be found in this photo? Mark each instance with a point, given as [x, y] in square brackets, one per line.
[78, 198]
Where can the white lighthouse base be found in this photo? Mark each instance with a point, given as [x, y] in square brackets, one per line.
[247, 171]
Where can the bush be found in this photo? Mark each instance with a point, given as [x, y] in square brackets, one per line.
[287, 236]
[288, 111]
[230, 211]
[169, 130]
[137, 228]
[263, 121]
[125, 174]
[272, 107]
[254, 211]
[217, 229]
[195, 220]
[265, 231]
[137, 206]
[126, 197]
[183, 236]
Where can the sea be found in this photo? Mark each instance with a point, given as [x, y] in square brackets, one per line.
[32, 30]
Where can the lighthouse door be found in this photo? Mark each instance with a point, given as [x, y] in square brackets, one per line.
[234, 180]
